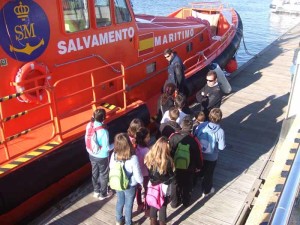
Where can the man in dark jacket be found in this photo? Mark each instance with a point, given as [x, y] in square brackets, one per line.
[210, 95]
[176, 72]
[184, 177]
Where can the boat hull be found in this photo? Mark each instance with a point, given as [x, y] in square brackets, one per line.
[50, 170]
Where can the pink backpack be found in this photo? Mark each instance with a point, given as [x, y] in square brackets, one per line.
[91, 142]
[155, 195]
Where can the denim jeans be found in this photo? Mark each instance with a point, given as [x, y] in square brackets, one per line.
[125, 200]
[99, 174]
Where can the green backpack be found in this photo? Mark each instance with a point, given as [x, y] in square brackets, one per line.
[118, 179]
[182, 156]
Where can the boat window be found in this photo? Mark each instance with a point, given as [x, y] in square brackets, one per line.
[201, 38]
[150, 68]
[102, 11]
[122, 13]
[76, 15]
[189, 47]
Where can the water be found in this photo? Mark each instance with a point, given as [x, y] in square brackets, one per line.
[261, 27]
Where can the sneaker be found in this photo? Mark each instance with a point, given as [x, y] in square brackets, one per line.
[108, 194]
[122, 222]
[212, 190]
[96, 195]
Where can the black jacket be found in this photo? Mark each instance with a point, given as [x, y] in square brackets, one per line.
[157, 178]
[211, 99]
[184, 137]
[176, 68]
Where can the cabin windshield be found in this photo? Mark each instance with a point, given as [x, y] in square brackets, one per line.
[122, 13]
[102, 11]
[76, 15]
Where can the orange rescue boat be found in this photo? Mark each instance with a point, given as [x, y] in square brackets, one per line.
[60, 60]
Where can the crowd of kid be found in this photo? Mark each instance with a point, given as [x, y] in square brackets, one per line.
[148, 166]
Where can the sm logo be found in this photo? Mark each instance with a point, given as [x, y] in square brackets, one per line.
[25, 30]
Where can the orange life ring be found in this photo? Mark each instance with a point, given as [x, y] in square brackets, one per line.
[29, 71]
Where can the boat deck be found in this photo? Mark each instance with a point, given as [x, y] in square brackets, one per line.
[253, 116]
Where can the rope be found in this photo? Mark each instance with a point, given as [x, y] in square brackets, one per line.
[245, 47]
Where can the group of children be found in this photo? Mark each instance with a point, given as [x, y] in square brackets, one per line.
[157, 165]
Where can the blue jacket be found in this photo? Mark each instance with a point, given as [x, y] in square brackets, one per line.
[220, 140]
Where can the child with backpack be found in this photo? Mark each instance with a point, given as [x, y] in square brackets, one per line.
[134, 125]
[142, 140]
[161, 172]
[212, 139]
[97, 145]
[199, 118]
[125, 153]
[186, 153]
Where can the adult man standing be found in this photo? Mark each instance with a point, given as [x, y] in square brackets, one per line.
[210, 95]
[176, 71]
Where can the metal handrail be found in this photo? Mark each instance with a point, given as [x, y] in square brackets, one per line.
[286, 202]
[203, 59]
[92, 88]
[17, 115]
[56, 118]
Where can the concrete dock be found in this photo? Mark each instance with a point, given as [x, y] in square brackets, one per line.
[253, 116]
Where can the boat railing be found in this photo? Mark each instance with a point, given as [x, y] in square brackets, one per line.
[5, 139]
[55, 115]
[95, 102]
[206, 56]
[207, 5]
[97, 56]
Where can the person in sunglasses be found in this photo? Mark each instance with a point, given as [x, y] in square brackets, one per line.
[210, 95]
[176, 72]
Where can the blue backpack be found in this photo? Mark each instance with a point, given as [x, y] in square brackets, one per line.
[207, 137]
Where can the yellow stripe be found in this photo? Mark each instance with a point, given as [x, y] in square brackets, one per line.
[45, 147]
[111, 107]
[6, 98]
[22, 159]
[145, 44]
[105, 105]
[34, 153]
[9, 166]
